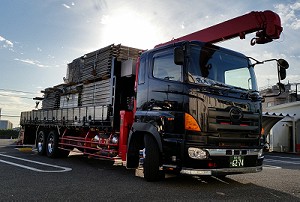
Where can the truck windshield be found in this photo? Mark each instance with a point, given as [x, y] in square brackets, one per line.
[210, 65]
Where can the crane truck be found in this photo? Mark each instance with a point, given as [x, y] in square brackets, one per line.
[186, 106]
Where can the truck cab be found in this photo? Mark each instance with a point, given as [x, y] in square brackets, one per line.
[199, 107]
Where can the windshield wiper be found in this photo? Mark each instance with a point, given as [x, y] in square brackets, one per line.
[228, 88]
[246, 94]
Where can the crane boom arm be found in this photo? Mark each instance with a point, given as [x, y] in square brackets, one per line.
[266, 24]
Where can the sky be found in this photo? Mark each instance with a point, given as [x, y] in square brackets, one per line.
[38, 38]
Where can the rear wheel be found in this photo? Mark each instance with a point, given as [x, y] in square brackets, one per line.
[52, 146]
[151, 159]
[41, 143]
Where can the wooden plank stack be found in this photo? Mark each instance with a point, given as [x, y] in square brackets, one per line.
[97, 65]
[125, 53]
[89, 76]
[74, 71]
[96, 94]
[51, 98]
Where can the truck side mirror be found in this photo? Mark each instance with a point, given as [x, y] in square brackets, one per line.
[282, 66]
[282, 73]
[178, 56]
[281, 87]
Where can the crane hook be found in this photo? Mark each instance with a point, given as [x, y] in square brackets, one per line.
[253, 41]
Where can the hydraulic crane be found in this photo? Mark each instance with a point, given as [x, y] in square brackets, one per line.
[266, 24]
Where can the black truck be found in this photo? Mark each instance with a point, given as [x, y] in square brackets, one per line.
[185, 107]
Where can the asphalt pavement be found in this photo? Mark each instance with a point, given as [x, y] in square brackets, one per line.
[27, 176]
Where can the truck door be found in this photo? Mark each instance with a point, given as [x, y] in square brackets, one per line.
[165, 82]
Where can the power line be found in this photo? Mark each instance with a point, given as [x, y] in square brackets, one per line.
[16, 96]
[18, 91]
[7, 105]
[9, 115]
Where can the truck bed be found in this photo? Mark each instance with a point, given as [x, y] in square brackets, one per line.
[78, 116]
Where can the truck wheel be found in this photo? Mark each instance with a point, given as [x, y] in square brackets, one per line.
[52, 149]
[151, 159]
[41, 143]
[52, 145]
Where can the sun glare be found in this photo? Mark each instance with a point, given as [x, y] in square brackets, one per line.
[130, 29]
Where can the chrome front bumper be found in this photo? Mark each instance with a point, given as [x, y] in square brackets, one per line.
[221, 171]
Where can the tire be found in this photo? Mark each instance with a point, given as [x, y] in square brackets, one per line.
[52, 145]
[151, 160]
[41, 143]
[52, 149]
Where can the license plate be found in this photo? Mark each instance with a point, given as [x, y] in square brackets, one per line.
[236, 161]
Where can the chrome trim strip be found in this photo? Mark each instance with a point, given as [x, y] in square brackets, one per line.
[222, 152]
[221, 171]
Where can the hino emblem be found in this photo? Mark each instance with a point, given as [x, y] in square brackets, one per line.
[235, 114]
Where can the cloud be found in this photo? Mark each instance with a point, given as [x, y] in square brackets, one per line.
[182, 25]
[66, 6]
[100, 5]
[5, 43]
[13, 105]
[32, 62]
[50, 56]
[288, 14]
[104, 19]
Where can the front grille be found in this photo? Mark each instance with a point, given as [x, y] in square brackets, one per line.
[220, 120]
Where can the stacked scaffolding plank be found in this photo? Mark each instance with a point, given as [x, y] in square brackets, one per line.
[125, 53]
[51, 99]
[74, 71]
[71, 96]
[88, 79]
[96, 93]
[97, 64]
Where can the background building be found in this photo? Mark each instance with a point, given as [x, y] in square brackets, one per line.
[5, 124]
[285, 134]
[290, 95]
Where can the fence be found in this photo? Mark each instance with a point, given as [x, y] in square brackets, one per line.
[8, 134]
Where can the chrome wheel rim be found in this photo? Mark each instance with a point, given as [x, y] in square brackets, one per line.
[50, 144]
[40, 143]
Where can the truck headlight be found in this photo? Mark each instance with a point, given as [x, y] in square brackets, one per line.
[196, 153]
[260, 153]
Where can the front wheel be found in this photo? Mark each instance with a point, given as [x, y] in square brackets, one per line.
[151, 159]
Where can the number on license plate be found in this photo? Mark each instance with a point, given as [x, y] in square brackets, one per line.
[236, 161]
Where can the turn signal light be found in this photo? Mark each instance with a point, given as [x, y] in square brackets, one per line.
[191, 123]
[262, 132]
